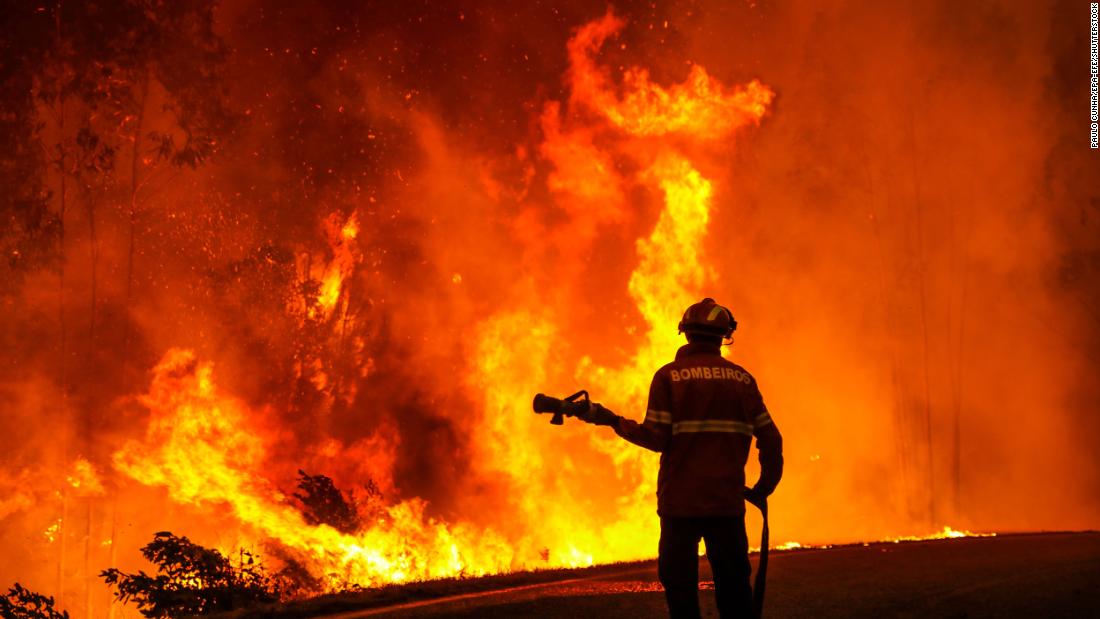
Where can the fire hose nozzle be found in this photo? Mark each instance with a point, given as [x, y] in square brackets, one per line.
[560, 408]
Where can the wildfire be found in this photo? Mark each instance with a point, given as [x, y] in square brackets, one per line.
[205, 447]
[286, 286]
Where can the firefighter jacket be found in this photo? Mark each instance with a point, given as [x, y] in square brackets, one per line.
[702, 414]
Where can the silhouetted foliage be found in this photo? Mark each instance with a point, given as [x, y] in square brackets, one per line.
[29, 232]
[22, 603]
[192, 580]
[103, 55]
[88, 65]
[324, 503]
[295, 579]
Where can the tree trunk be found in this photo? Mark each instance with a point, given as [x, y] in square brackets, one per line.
[963, 272]
[93, 311]
[63, 378]
[135, 167]
[89, 570]
[61, 526]
[922, 293]
[87, 425]
[903, 423]
[112, 608]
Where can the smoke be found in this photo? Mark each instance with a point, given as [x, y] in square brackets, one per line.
[908, 241]
[899, 237]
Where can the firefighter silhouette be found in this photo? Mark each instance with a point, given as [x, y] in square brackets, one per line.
[702, 414]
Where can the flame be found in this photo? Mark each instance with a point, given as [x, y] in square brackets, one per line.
[700, 107]
[350, 230]
[53, 531]
[345, 256]
[84, 479]
[330, 288]
[206, 448]
[946, 533]
[668, 276]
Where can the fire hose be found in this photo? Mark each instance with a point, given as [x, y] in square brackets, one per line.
[579, 403]
[761, 580]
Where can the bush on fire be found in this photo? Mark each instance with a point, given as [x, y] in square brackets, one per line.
[192, 580]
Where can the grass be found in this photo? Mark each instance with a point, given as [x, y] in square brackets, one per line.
[389, 595]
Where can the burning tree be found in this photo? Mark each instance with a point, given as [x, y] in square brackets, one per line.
[324, 503]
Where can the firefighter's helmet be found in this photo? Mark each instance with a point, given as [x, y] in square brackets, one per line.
[708, 318]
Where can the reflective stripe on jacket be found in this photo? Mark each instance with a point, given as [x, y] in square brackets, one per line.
[702, 414]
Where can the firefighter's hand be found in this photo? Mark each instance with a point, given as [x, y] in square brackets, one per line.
[756, 497]
[598, 415]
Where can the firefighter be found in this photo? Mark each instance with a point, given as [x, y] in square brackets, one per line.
[702, 414]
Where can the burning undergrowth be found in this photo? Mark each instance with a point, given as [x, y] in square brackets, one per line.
[205, 447]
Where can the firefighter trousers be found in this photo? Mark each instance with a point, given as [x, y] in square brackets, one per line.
[728, 554]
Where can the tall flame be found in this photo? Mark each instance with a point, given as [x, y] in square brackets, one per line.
[700, 107]
[670, 274]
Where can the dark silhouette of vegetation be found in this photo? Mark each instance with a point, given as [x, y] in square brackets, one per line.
[193, 580]
[29, 231]
[324, 503]
[22, 603]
